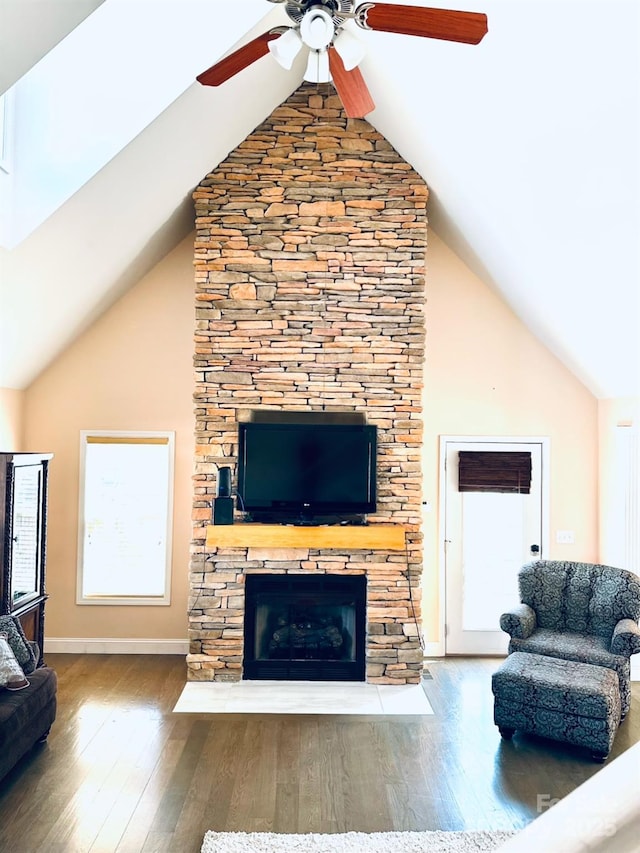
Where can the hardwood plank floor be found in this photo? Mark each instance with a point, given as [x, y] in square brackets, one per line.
[121, 773]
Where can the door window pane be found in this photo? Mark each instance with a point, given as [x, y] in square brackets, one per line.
[494, 533]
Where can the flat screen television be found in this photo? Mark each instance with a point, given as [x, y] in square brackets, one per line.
[306, 472]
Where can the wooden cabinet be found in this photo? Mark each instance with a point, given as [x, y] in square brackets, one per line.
[23, 538]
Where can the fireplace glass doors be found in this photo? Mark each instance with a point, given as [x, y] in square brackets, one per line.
[305, 627]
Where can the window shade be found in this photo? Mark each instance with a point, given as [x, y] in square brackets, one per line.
[125, 517]
[494, 471]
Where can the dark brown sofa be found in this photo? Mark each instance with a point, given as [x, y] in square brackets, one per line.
[26, 716]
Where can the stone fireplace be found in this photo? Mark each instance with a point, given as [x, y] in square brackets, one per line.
[309, 267]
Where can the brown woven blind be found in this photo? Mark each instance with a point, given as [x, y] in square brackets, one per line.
[494, 471]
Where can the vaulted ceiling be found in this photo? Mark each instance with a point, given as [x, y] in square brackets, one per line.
[528, 141]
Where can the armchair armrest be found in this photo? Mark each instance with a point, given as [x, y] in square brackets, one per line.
[520, 622]
[626, 638]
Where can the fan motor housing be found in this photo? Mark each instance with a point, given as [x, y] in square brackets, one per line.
[297, 11]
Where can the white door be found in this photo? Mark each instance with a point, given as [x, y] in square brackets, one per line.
[488, 537]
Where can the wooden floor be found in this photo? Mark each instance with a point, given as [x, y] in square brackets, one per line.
[121, 772]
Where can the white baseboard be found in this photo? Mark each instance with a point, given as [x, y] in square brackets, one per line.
[433, 650]
[111, 646]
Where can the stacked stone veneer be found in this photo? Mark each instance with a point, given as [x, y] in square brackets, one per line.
[309, 266]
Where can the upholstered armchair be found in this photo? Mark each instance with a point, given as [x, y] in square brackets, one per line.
[580, 612]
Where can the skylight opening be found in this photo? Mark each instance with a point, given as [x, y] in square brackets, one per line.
[96, 90]
[6, 131]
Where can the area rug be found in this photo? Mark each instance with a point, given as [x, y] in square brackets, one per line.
[302, 697]
[354, 842]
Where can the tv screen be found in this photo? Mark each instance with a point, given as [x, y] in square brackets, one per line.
[304, 472]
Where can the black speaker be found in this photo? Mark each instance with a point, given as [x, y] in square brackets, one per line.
[224, 482]
[223, 510]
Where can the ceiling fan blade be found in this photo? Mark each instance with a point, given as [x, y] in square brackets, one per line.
[447, 24]
[236, 61]
[350, 86]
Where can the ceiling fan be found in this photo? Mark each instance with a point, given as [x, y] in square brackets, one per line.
[321, 26]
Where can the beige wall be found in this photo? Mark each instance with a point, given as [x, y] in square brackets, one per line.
[614, 416]
[132, 370]
[485, 375]
[11, 420]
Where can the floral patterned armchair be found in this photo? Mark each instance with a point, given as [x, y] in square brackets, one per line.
[580, 612]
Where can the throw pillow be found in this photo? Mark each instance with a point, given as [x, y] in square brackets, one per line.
[11, 674]
[20, 646]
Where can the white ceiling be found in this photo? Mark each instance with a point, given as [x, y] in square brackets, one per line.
[529, 143]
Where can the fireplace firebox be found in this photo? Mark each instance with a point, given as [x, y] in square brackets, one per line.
[305, 627]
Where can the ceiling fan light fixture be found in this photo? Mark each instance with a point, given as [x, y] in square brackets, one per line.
[285, 48]
[317, 28]
[350, 48]
[318, 67]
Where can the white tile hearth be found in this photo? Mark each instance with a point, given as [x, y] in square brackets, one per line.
[302, 697]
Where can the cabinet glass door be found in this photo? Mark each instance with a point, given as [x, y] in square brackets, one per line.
[26, 533]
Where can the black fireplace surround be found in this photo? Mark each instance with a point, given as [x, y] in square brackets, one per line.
[305, 627]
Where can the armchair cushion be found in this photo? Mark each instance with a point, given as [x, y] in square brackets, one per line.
[519, 622]
[626, 638]
[585, 648]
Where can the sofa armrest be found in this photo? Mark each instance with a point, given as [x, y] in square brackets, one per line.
[626, 638]
[520, 622]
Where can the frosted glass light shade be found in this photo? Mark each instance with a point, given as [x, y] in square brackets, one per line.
[318, 67]
[286, 48]
[350, 49]
[317, 29]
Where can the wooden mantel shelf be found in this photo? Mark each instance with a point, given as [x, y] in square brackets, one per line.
[383, 537]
